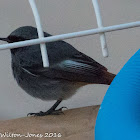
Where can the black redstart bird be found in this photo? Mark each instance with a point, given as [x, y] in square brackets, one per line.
[69, 69]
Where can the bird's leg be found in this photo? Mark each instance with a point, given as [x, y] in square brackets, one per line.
[51, 111]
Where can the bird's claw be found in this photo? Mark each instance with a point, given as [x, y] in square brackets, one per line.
[62, 108]
[49, 112]
[36, 114]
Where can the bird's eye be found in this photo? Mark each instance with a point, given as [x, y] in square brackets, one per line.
[15, 38]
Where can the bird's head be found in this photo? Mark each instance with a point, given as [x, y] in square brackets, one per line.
[21, 34]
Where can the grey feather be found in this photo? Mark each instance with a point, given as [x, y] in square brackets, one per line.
[69, 69]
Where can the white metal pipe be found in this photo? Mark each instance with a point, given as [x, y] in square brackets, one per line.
[100, 25]
[40, 33]
[70, 35]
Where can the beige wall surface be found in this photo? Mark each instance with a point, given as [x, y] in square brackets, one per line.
[64, 16]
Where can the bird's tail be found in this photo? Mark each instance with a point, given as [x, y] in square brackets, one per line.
[108, 77]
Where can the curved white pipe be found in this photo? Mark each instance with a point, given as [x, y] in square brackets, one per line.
[40, 33]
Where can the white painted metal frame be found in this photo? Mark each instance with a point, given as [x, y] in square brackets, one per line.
[42, 40]
[40, 33]
[100, 25]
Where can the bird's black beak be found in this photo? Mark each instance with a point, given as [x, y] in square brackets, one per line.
[5, 39]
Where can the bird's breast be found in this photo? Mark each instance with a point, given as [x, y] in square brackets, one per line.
[43, 87]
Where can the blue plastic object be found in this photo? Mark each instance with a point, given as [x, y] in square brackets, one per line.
[119, 115]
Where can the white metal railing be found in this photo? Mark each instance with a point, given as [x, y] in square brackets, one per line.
[40, 33]
[100, 25]
[42, 40]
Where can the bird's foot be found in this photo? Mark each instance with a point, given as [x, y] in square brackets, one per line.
[49, 112]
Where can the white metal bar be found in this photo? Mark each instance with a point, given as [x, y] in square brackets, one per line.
[40, 33]
[100, 25]
[70, 35]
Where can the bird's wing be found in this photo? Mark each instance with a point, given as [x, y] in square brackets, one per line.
[80, 68]
[81, 64]
[82, 58]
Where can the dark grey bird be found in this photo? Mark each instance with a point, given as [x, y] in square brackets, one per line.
[69, 69]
